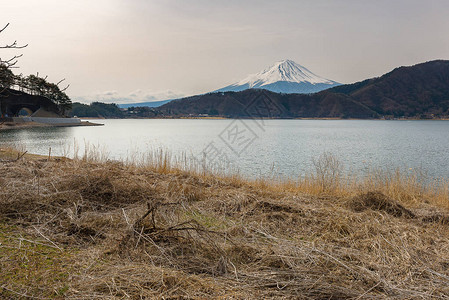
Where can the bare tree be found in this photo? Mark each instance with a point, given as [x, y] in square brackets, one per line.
[7, 78]
[10, 62]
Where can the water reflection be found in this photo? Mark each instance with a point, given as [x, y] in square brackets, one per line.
[283, 147]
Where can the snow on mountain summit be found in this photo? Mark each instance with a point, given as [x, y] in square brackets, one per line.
[285, 70]
[285, 76]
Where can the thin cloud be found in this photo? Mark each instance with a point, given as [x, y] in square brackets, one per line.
[136, 96]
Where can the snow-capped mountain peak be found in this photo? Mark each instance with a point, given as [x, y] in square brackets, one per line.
[284, 70]
[284, 76]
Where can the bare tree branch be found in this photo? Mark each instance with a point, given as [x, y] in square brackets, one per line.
[4, 28]
[12, 45]
[64, 89]
[11, 62]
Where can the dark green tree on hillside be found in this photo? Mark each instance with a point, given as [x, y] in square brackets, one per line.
[7, 78]
[35, 85]
[96, 109]
[59, 96]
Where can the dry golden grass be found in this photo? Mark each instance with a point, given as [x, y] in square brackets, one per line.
[89, 228]
[410, 188]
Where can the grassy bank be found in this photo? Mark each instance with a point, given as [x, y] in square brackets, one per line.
[91, 228]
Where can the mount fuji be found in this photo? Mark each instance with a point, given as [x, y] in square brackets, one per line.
[286, 77]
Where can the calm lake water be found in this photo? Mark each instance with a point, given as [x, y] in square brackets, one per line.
[257, 148]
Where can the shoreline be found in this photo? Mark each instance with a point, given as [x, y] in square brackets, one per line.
[14, 125]
[247, 118]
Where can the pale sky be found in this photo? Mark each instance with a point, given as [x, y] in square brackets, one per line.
[143, 50]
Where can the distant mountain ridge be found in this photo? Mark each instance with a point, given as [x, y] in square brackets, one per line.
[421, 90]
[144, 104]
[285, 76]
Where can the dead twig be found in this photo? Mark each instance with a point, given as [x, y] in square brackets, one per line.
[20, 155]
[47, 238]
